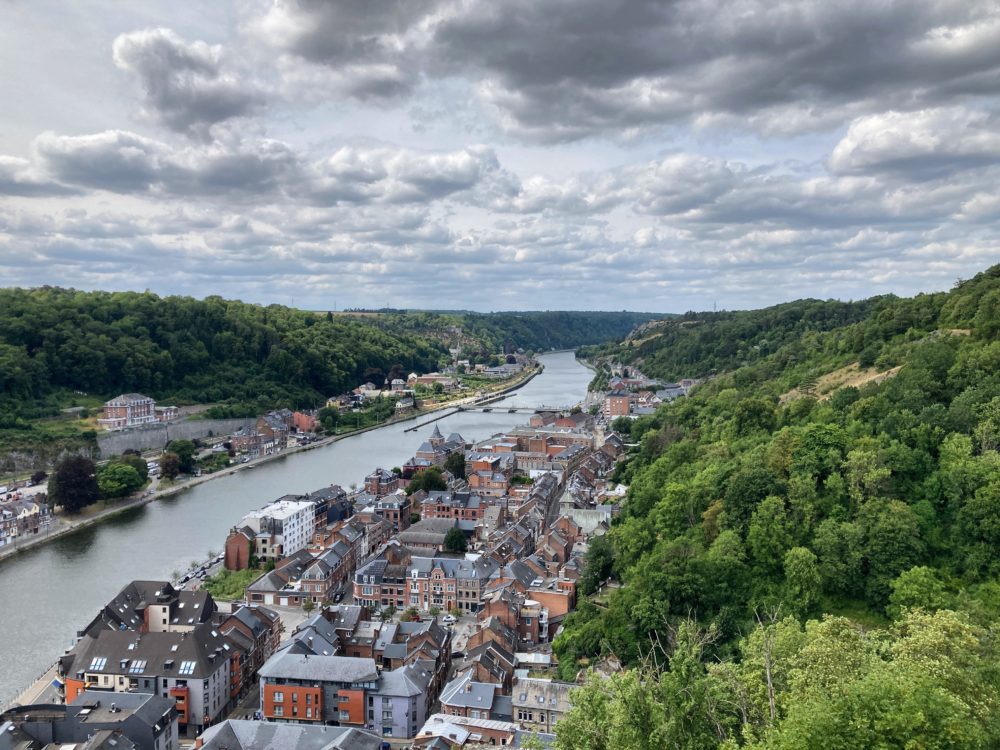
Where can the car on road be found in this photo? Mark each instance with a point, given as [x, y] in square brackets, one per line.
[449, 620]
[339, 596]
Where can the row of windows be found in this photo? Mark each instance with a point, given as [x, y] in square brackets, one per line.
[280, 711]
[279, 697]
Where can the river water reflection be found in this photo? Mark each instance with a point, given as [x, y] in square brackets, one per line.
[47, 594]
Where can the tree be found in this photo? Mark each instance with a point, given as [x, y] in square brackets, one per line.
[329, 418]
[917, 588]
[308, 605]
[118, 480]
[73, 484]
[598, 565]
[170, 465]
[455, 464]
[136, 462]
[184, 449]
[803, 584]
[38, 477]
[455, 541]
[409, 615]
[427, 480]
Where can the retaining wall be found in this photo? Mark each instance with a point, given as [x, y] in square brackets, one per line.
[156, 436]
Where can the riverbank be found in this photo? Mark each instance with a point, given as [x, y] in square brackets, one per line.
[66, 527]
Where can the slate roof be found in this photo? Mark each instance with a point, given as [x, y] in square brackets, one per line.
[259, 735]
[406, 681]
[347, 669]
[464, 692]
[204, 646]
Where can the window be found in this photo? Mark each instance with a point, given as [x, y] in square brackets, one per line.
[309, 713]
[138, 666]
[345, 716]
[98, 663]
[279, 710]
[295, 697]
[278, 697]
[187, 667]
[309, 699]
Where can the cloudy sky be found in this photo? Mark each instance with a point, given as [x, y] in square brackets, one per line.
[516, 154]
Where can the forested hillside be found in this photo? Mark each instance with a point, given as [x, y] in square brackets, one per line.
[54, 341]
[798, 569]
[182, 349]
[698, 344]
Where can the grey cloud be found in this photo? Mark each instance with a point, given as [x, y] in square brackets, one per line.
[370, 174]
[188, 86]
[361, 41]
[128, 163]
[18, 177]
[568, 69]
[114, 160]
[922, 144]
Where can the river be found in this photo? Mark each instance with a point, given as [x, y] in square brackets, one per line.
[48, 593]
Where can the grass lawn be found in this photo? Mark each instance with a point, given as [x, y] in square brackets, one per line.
[229, 585]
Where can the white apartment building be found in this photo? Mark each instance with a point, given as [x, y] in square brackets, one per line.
[281, 528]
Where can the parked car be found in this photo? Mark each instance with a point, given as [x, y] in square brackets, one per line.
[338, 597]
[450, 619]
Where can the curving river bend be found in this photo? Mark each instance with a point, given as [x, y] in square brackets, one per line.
[50, 592]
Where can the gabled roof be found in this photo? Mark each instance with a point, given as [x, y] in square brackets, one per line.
[236, 734]
[464, 692]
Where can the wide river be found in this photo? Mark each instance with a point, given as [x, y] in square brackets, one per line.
[48, 593]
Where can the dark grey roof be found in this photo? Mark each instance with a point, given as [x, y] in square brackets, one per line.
[163, 653]
[321, 668]
[405, 681]
[260, 735]
[463, 691]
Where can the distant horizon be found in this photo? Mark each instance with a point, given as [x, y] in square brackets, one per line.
[459, 311]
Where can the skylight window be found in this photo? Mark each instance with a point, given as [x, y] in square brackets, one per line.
[138, 666]
[98, 663]
[187, 667]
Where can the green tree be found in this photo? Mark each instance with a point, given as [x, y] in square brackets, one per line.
[73, 484]
[137, 462]
[839, 548]
[455, 541]
[117, 480]
[455, 463]
[427, 479]
[598, 564]
[770, 535]
[803, 583]
[917, 588]
[184, 450]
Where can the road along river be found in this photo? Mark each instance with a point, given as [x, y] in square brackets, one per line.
[48, 593]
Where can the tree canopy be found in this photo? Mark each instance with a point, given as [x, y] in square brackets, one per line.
[801, 537]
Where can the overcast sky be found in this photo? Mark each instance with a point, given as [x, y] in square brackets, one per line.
[517, 154]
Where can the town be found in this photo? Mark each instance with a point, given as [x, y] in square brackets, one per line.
[415, 610]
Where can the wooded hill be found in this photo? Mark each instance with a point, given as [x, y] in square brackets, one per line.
[180, 349]
[800, 567]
